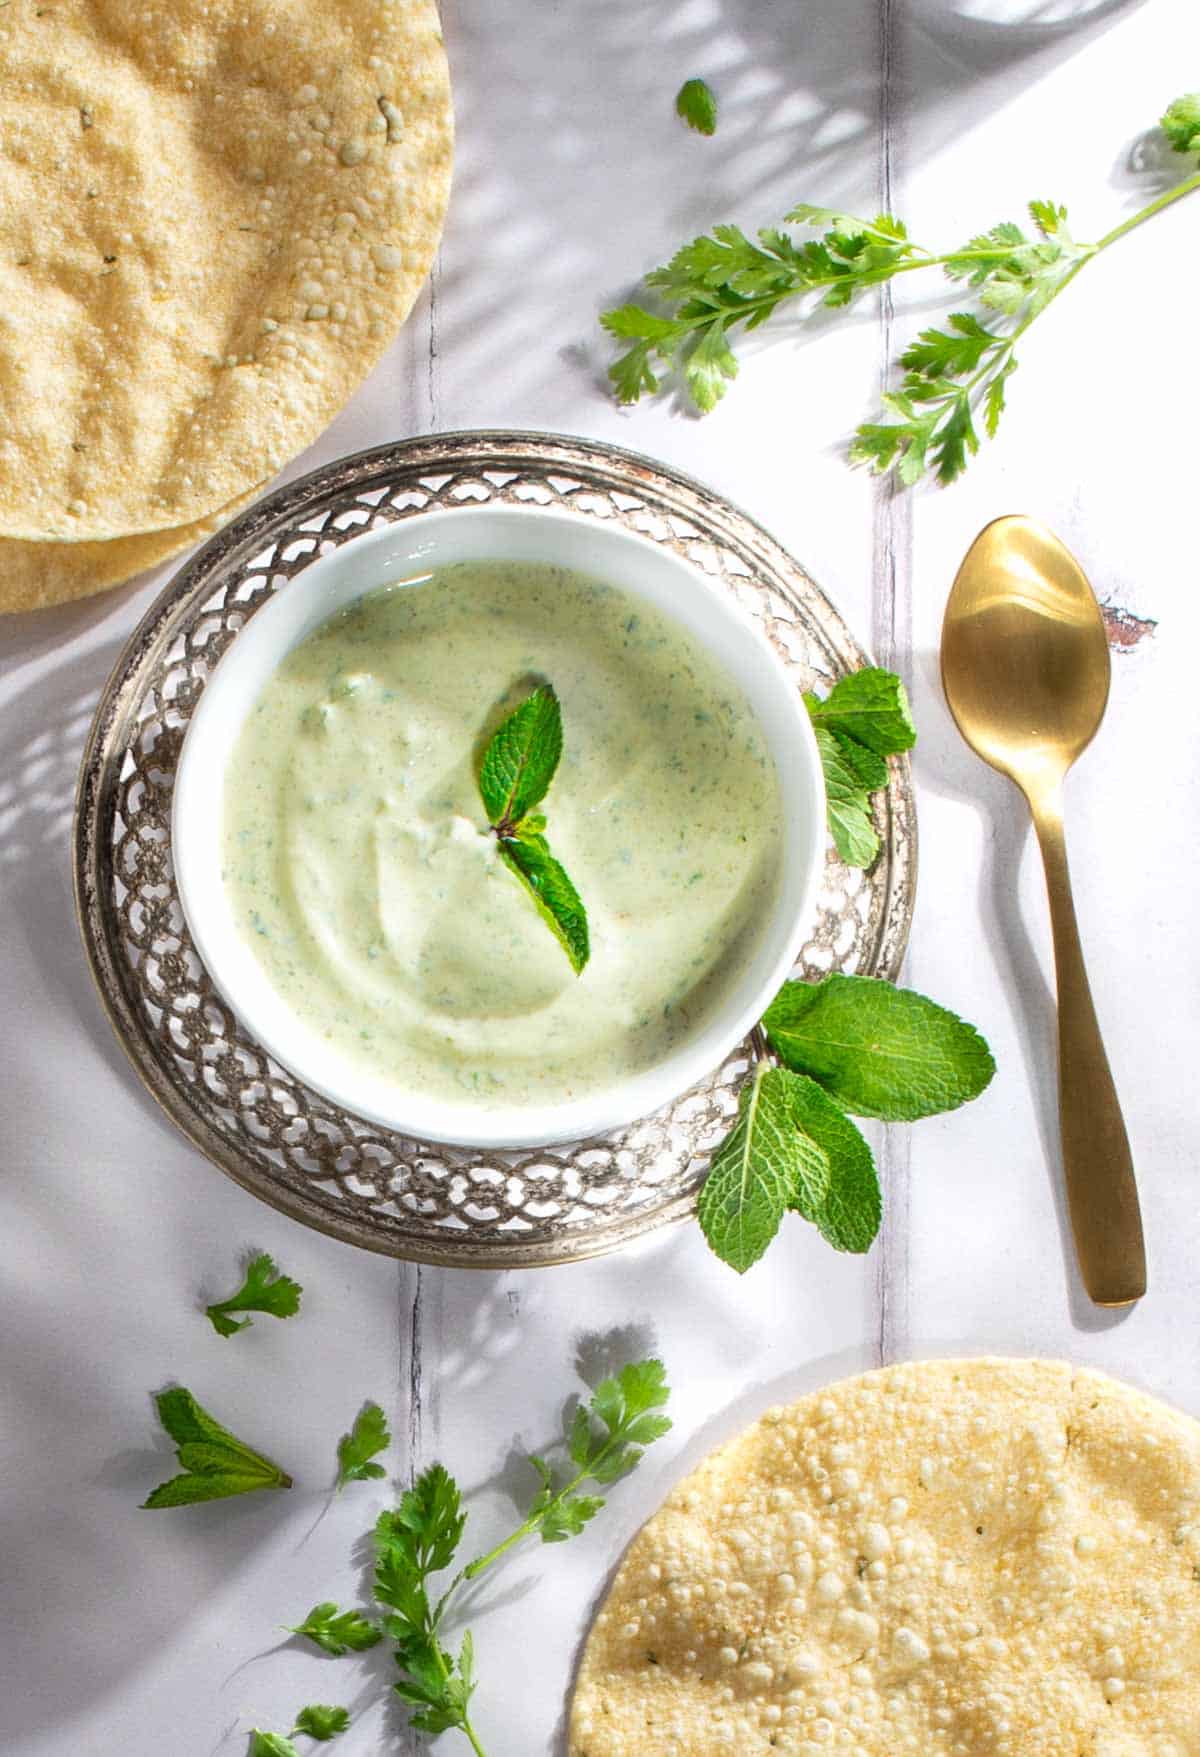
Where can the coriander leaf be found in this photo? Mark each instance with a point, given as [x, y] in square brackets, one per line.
[696, 104]
[425, 1529]
[216, 1464]
[710, 367]
[264, 1289]
[850, 1214]
[271, 1745]
[368, 1436]
[560, 1514]
[1181, 123]
[877, 1050]
[520, 759]
[322, 1722]
[870, 706]
[847, 804]
[337, 1632]
[558, 902]
[763, 1165]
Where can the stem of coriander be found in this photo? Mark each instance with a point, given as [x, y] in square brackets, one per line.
[1166, 199]
[465, 1726]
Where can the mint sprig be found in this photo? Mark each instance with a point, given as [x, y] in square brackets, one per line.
[864, 719]
[517, 767]
[215, 1463]
[765, 1165]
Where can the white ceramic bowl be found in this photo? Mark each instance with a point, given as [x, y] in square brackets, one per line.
[643, 569]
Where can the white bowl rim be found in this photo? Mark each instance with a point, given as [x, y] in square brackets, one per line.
[363, 563]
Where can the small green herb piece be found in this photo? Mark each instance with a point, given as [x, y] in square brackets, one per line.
[878, 1051]
[951, 377]
[337, 1631]
[265, 1289]
[271, 1745]
[322, 1722]
[865, 718]
[696, 104]
[520, 760]
[558, 902]
[518, 766]
[764, 1166]
[215, 1463]
[1181, 123]
[356, 1449]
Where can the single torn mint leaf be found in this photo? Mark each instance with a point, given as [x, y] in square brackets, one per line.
[871, 706]
[335, 1631]
[322, 1722]
[850, 1214]
[558, 902]
[696, 104]
[879, 1051]
[521, 757]
[869, 770]
[265, 1289]
[355, 1449]
[847, 803]
[215, 1463]
[761, 1168]
[1181, 123]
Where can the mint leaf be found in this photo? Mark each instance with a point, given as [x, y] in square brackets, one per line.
[869, 770]
[763, 1166]
[847, 804]
[850, 1214]
[521, 757]
[879, 1051]
[696, 105]
[1181, 123]
[264, 1289]
[337, 1632]
[870, 706]
[368, 1436]
[558, 902]
[322, 1722]
[215, 1463]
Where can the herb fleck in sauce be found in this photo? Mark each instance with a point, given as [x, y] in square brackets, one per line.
[362, 874]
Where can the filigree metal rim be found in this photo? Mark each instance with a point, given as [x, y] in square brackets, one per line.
[596, 479]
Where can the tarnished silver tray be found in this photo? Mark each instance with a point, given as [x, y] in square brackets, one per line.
[270, 1132]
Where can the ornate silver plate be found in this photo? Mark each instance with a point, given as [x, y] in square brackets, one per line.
[332, 1170]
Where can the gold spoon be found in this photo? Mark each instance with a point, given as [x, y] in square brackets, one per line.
[1025, 668]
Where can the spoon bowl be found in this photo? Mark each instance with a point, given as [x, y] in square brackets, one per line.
[1026, 670]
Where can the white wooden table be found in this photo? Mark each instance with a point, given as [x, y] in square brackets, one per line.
[138, 1634]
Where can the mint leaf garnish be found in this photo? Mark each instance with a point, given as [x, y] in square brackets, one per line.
[322, 1722]
[356, 1449]
[877, 1050]
[850, 1214]
[558, 902]
[215, 1464]
[521, 757]
[514, 776]
[870, 706]
[696, 104]
[336, 1631]
[265, 1289]
[847, 803]
[763, 1166]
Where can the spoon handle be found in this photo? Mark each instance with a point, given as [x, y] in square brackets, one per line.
[1101, 1191]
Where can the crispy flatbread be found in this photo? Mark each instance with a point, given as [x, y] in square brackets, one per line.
[214, 214]
[989, 1558]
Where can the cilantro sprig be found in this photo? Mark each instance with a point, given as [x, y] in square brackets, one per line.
[319, 1721]
[335, 1631]
[215, 1463]
[518, 765]
[421, 1537]
[696, 104]
[265, 1289]
[952, 379]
